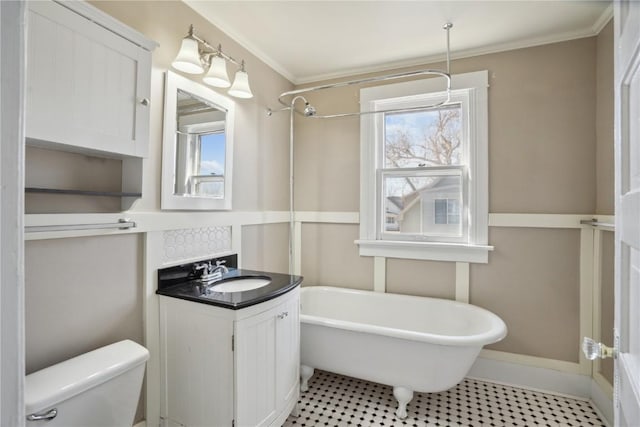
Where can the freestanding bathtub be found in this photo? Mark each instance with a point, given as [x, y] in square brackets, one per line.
[412, 343]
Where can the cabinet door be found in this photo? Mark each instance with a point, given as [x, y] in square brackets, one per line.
[255, 356]
[287, 351]
[86, 85]
[196, 365]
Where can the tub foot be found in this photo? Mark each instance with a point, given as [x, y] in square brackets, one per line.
[403, 396]
[306, 372]
[296, 410]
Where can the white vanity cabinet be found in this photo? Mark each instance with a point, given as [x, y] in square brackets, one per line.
[88, 81]
[223, 367]
[267, 355]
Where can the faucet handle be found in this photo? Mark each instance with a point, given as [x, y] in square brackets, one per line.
[221, 267]
[200, 266]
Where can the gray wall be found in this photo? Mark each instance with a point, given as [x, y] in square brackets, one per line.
[329, 258]
[266, 247]
[604, 122]
[81, 293]
[605, 188]
[544, 157]
[541, 134]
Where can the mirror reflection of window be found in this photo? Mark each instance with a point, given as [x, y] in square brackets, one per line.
[200, 148]
[197, 147]
[209, 166]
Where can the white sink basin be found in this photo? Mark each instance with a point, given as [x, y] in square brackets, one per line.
[241, 284]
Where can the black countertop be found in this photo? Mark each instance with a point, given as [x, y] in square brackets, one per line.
[194, 290]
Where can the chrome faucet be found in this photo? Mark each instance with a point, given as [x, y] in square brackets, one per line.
[210, 272]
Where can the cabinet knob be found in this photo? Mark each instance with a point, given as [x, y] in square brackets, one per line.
[283, 315]
[145, 102]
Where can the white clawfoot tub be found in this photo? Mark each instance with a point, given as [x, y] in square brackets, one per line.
[412, 343]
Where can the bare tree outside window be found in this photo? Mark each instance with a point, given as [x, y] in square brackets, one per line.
[423, 138]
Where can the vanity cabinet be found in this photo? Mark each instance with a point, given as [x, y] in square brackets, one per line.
[88, 81]
[223, 367]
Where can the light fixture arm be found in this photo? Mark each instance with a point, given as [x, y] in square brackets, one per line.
[207, 50]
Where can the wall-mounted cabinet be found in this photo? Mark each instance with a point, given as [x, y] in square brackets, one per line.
[88, 86]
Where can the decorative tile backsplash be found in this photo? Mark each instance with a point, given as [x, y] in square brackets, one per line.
[193, 243]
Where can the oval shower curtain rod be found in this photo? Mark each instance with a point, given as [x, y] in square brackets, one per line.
[293, 93]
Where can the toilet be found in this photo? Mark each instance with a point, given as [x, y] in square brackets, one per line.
[99, 388]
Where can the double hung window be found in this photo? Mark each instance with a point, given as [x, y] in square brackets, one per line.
[424, 170]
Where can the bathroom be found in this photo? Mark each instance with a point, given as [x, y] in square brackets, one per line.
[549, 277]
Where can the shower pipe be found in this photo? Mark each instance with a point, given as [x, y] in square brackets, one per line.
[311, 112]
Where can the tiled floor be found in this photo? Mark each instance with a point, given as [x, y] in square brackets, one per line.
[335, 400]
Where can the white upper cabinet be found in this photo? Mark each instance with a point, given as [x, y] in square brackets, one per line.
[88, 81]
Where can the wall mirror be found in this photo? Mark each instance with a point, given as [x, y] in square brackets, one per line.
[197, 146]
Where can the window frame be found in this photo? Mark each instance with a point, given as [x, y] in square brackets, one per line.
[470, 89]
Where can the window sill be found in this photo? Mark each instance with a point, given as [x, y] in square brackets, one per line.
[425, 250]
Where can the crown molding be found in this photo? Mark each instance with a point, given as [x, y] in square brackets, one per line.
[603, 20]
[468, 53]
[248, 45]
[590, 31]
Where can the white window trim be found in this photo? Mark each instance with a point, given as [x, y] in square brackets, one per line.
[477, 249]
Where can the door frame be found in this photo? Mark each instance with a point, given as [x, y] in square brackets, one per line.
[12, 89]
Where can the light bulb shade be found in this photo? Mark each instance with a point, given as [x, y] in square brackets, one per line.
[240, 87]
[188, 58]
[217, 75]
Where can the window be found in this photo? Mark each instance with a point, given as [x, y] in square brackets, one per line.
[424, 171]
[446, 211]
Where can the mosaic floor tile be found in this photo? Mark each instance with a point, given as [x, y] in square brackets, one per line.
[339, 401]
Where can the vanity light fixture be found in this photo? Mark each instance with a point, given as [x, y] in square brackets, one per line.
[197, 56]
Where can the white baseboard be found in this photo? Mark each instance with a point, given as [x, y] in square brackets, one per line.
[602, 402]
[531, 377]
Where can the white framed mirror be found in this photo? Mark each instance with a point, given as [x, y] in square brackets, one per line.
[197, 146]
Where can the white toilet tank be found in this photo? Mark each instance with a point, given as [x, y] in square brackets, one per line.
[99, 388]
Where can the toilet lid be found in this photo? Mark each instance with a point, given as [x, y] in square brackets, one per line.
[45, 388]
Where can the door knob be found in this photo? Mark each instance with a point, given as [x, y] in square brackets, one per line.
[594, 350]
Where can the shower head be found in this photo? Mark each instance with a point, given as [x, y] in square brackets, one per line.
[309, 110]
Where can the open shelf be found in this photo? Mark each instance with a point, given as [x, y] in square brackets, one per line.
[81, 192]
